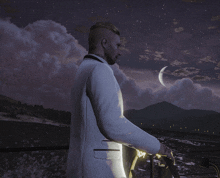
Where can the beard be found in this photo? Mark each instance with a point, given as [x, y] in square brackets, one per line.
[110, 59]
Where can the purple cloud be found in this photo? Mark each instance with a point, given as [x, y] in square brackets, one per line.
[38, 63]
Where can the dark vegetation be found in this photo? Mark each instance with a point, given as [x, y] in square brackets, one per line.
[13, 108]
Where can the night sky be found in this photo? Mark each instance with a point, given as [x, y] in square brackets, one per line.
[43, 42]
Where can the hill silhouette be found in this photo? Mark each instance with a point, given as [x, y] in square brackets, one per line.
[167, 116]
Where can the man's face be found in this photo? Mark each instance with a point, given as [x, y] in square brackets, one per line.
[112, 51]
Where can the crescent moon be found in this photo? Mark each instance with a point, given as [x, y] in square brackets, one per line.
[160, 76]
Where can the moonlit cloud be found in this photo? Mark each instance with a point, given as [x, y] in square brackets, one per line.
[215, 18]
[177, 63]
[180, 29]
[186, 94]
[184, 72]
[152, 55]
[124, 50]
[217, 67]
[206, 59]
[144, 57]
[38, 63]
[201, 78]
[212, 27]
[158, 56]
[186, 52]
[183, 93]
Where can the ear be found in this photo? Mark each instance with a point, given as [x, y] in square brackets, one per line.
[104, 43]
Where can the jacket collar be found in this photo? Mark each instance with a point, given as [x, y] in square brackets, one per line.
[98, 58]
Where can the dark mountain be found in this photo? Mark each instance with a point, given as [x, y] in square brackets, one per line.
[165, 115]
[153, 113]
[162, 109]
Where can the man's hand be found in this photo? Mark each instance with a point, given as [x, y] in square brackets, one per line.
[167, 156]
[166, 151]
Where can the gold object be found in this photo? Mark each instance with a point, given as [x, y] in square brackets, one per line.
[138, 155]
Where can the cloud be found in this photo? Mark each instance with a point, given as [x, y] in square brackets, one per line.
[152, 55]
[206, 59]
[217, 67]
[212, 27]
[144, 57]
[215, 18]
[177, 63]
[180, 29]
[184, 72]
[158, 56]
[38, 63]
[188, 95]
[175, 22]
[186, 52]
[201, 78]
[8, 8]
[183, 93]
[123, 49]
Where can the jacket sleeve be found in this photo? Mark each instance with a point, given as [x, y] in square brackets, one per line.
[106, 99]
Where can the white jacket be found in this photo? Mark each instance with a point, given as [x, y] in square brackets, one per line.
[98, 126]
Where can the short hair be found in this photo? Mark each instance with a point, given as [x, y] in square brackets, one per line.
[106, 25]
[93, 36]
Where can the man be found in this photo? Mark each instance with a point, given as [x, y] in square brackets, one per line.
[98, 126]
